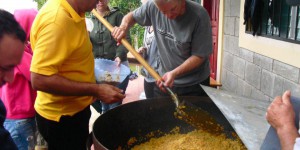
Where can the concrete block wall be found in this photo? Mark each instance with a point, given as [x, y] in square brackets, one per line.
[251, 74]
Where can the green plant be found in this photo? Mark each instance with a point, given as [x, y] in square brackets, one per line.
[137, 31]
[40, 3]
[134, 67]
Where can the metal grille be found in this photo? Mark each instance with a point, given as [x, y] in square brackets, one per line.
[279, 21]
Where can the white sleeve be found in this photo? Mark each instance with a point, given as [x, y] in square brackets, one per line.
[89, 24]
[297, 144]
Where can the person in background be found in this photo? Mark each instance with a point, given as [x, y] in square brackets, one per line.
[184, 40]
[62, 71]
[150, 54]
[12, 40]
[18, 96]
[104, 46]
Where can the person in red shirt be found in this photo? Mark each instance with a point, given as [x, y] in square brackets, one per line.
[18, 96]
[12, 39]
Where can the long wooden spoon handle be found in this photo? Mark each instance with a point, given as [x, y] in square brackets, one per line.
[152, 72]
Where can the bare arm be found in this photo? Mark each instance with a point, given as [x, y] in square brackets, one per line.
[187, 66]
[121, 51]
[190, 64]
[120, 32]
[287, 137]
[281, 116]
[56, 84]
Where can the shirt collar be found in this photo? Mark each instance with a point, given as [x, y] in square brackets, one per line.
[75, 16]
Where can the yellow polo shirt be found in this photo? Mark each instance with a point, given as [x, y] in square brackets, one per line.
[61, 45]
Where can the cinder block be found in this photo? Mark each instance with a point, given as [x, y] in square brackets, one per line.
[231, 82]
[234, 7]
[246, 54]
[253, 75]
[258, 95]
[226, 42]
[234, 45]
[243, 88]
[293, 87]
[228, 61]
[286, 71]
[278, 86]
[263, 61]
[229, 26]
[227, 8]
[267, 82]
[237, 27]
[239, 67]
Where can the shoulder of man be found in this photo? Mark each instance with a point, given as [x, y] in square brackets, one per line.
[194, 5]
[196, 9]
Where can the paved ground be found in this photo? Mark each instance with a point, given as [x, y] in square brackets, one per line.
[133, 92]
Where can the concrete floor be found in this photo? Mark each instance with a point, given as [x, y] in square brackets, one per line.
[134, 89]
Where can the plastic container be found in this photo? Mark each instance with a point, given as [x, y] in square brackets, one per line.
[107, 71]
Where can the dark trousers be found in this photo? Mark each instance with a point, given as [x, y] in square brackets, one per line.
[70, 133]
[193, 90]
[149, 89]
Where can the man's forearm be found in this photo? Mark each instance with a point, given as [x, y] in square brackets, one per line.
[188, 65]
[128, 21]
[59, 85]
[287, 137]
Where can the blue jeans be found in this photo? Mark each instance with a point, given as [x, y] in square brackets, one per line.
[20, 130]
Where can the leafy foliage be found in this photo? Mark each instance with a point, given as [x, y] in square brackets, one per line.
[136, 32]
[126, 6]
[40, 3]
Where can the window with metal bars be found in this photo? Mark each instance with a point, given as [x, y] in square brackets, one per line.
[279, 21]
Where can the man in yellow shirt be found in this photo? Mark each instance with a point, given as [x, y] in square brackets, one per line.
[62, 72]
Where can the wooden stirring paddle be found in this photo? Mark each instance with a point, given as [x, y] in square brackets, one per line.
[188, 112]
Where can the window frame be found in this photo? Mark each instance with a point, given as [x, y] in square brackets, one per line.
[284, 51]
[286, 32]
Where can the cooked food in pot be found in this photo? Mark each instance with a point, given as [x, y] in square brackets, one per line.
[195, 140]
[135, 124]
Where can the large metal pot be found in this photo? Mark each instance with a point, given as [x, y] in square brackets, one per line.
[115, 127]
